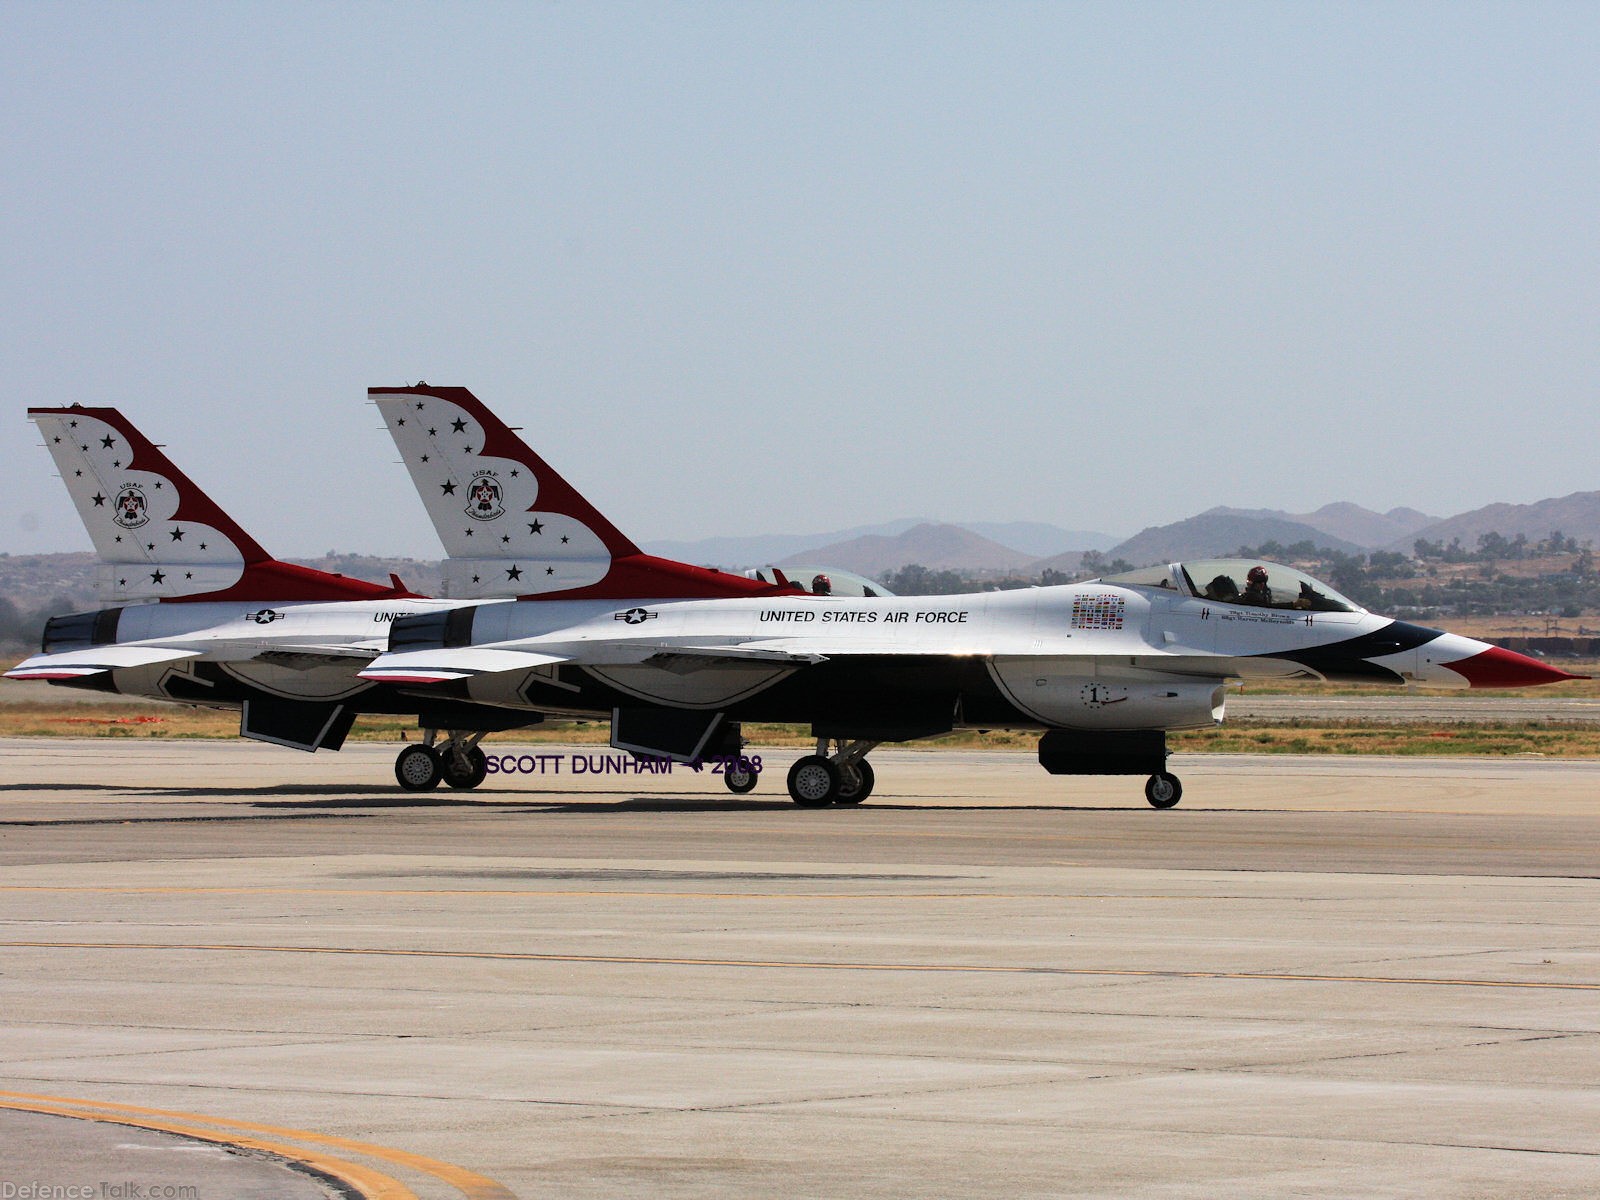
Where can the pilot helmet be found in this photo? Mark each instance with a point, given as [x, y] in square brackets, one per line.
[1257, 575]
[821, 585]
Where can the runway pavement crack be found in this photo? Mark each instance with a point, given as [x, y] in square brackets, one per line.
[254, 1089]
[159, 1052]
[1543, 1037]
[778, 1109]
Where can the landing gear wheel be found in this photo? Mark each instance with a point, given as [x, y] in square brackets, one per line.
[741, 777]
[854, 791]
[1163, 790]
[813, 782]
[477, 768]
[417, 769]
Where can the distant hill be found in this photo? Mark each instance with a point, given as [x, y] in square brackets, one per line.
[1575, 516]
[760, 549]
[1346, 521]
[1068, 564]
[31, 581]
[937, 547]
[1035, 537]
[1032, 538]
[1217, 533]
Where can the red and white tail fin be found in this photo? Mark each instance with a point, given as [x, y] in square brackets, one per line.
[157, 534]
[510, 524]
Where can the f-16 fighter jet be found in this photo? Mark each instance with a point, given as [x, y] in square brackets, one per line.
[201, 614]
[1103, 669]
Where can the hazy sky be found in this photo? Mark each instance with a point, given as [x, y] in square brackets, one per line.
[748, 268]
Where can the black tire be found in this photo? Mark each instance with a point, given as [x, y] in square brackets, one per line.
[740, 777]
[478, 768]
[854, 792]
[1163, 790]
[813, 782]
[416, 768]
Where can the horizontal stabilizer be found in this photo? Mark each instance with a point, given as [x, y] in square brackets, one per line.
[443, 666]
[75, 664]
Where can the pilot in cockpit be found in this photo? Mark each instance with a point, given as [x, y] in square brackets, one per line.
[1256, 590]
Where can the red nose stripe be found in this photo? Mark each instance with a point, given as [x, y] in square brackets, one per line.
[1497, 667]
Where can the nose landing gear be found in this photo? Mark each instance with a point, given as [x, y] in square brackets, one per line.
[457, 762]
[842, 777]
[740, 776]
[1163, 790]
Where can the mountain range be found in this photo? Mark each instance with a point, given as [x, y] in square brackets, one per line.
[1032, 547]
[1575, 516]
[1027, 539]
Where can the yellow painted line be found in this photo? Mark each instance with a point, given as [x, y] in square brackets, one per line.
[369, 1183]
[468, 1183]
[805, 965]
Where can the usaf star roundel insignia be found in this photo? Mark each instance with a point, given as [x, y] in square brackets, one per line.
[634, 616]
[484, 497]
[129, 509]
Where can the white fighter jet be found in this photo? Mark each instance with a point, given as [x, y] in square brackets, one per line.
[201, 614]
[1104, 669]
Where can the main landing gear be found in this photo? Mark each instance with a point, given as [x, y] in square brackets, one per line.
[842, 777]
[456, 762]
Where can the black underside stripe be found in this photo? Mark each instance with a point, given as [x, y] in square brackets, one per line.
[1351, 659]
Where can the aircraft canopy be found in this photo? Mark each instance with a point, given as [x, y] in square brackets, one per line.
[840, 582]
[1250, 582]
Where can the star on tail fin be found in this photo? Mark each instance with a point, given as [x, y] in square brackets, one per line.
[511, 525]
[157, 534]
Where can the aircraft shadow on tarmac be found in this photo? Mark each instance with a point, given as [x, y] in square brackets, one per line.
[306, 798]
[626, 803]
[530, 804]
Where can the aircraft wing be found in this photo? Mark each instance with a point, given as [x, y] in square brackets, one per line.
[443, 665]
[75, 664]
[682, 658]
[323, 652]
[818, 651]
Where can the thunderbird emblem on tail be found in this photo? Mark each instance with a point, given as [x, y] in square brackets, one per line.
[131, 509]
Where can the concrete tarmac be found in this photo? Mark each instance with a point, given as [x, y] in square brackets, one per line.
[1316, 977]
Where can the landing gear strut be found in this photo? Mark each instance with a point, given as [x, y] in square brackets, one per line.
[457, 762]
[842, 777]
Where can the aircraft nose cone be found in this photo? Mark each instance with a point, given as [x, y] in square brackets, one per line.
[1496, 667]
